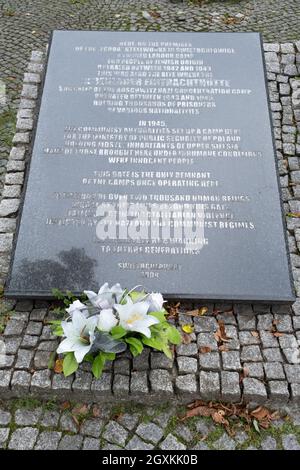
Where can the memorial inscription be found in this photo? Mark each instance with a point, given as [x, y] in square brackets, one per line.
[153, 164]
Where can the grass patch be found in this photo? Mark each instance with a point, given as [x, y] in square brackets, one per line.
[7, 127]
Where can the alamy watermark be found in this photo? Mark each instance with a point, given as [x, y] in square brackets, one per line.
[181, 224]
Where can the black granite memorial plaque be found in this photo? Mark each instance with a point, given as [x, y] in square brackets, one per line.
[153, 164]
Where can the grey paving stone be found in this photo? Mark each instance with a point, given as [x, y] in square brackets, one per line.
[246, 321]
[269, 443]
[209, 361]
[202, 427]
[268, 339]
[4, 433]
[115, 433]
[187, 349]
[149, 432]
[41, 381]
[207, 340]
[231, 360]
[209, 385]
[279, 390]
[187, 365]
[129, 420]
[24, 359]
[61, 384]
[137, 444]
[20, 381]
[254, 390]
[251, 354]
[67, 423]
[274, 371]
[5, 417]
[295, 393]
[284, 323]
[29, 341]
[163, 418]
[186, 384]
[50, 419]
[290, 442]
[92, 427]
[122, 366]
[183, 432]
[200, 446]
[171, 443]
[205, 324]
[292, 373]
[160, 361]
[12, 344]
[139, 383]
[24, 417]
[288, 341]
[272, 355]
[90, 443]
[230, 386]
[265, 322]
[224, 443]
[141, 362]
[34, 328]
[70, 443]
[82, 381]
[121, 385]
[246, 338]
[48, 440]
[161, 381]
[14, 327]
[23, 439]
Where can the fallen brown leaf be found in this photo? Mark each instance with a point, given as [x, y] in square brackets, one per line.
[255, 334]
[223, 348]
[204, 349]
[66, 405]
[80, 410]
[186, 339]
[96, 412]
[58, 366]
[277, 334]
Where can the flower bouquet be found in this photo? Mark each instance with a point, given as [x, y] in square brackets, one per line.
[110, 322]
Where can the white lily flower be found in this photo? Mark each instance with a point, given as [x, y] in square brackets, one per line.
[79, 333]
[133, 317]
[106, 297]
[155, 301]
[77, 305]
[107, 320]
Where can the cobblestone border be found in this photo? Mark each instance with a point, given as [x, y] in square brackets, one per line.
[258, 367]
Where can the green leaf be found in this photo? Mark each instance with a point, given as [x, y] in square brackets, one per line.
[109, 356]
[118, 332]
[89, 358]
[153, 342]
[159, 315]
[98, 365]
[135, 345]
[70, 364]
[58, 294]
[256, 426]
[173, 335]
[167, 351]
[136, 296]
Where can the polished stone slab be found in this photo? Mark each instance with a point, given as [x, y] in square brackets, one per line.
[140, 132]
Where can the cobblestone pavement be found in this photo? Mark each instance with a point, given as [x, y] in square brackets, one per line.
[262, 363]
[28, 424]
